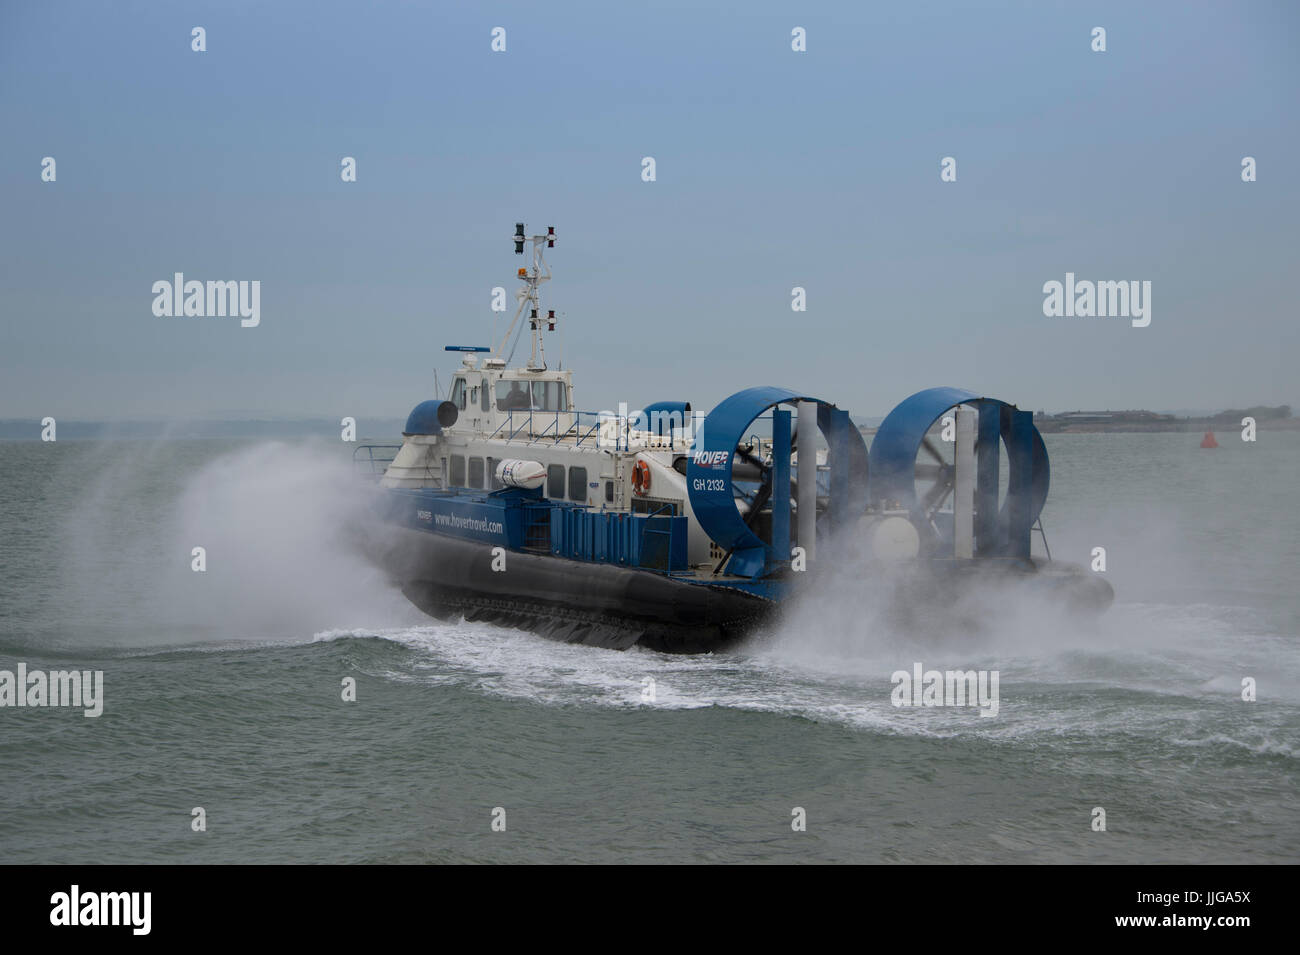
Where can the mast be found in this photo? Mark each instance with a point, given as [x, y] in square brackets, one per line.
[528, 296]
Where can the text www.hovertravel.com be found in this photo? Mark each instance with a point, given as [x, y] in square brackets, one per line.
[482, 525]
[1203, 922]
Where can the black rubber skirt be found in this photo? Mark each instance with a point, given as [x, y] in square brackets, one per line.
[598, 604]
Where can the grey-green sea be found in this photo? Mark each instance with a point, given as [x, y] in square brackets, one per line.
[223, 690]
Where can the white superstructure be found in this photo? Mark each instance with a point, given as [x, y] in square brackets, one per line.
[605, 460]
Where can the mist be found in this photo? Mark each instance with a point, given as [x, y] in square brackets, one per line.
[1177, 625]
[276, 520]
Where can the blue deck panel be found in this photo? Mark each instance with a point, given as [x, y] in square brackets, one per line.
[655, 542]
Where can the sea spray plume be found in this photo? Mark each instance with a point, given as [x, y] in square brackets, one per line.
[854, 609]
[843, 620]
[277, 523]
[862, 622]
[107, 537]
[271, 517]
[859, 615]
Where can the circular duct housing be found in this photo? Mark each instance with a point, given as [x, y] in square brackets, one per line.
[913, 472]
[718, 458]
[430, 417]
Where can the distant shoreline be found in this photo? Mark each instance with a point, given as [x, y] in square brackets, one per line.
[1190, 426]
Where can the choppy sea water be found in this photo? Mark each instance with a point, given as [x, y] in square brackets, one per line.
[222, 689]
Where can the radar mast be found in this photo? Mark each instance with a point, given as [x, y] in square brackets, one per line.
[529, 299]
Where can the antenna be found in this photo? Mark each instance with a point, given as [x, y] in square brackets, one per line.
[528, 295]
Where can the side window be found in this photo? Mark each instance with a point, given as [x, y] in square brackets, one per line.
[577, 484]
[493, 483]
[473, 395]
[555, 481]
[476, 472]
[457, 470]
[484, 394]
[609, 492]
[458, 393]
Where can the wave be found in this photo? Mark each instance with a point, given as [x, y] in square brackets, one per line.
[1073, 695]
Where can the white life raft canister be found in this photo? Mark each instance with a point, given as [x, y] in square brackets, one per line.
[524, 474]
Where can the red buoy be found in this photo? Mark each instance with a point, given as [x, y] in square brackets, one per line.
[1208, 441]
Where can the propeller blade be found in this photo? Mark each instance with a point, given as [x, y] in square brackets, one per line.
[748, 466]
[935, 497]
[747, 471]
[759, 502]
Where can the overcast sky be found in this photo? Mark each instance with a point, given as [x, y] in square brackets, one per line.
[775, 169]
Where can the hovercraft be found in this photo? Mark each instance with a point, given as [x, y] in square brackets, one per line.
[684, 532]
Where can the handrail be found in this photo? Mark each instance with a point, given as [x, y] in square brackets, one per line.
[376, 465]
[594, 427]
[554, 424]
[521, 425]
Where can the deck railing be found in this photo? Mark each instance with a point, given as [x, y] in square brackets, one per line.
[372, 464]
[584, 428]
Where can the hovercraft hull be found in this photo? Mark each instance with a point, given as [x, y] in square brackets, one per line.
[574, 601]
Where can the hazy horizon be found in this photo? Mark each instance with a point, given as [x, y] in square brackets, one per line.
[366, 428]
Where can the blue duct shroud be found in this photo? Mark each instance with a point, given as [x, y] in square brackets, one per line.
[662, 416]
[1000, 532]
[713, 496]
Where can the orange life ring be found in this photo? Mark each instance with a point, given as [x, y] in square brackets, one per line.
[641, 478]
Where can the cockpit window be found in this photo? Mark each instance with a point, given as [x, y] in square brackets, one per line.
[513, 396]
[549, 396]
[535, 396]
[458, 393]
